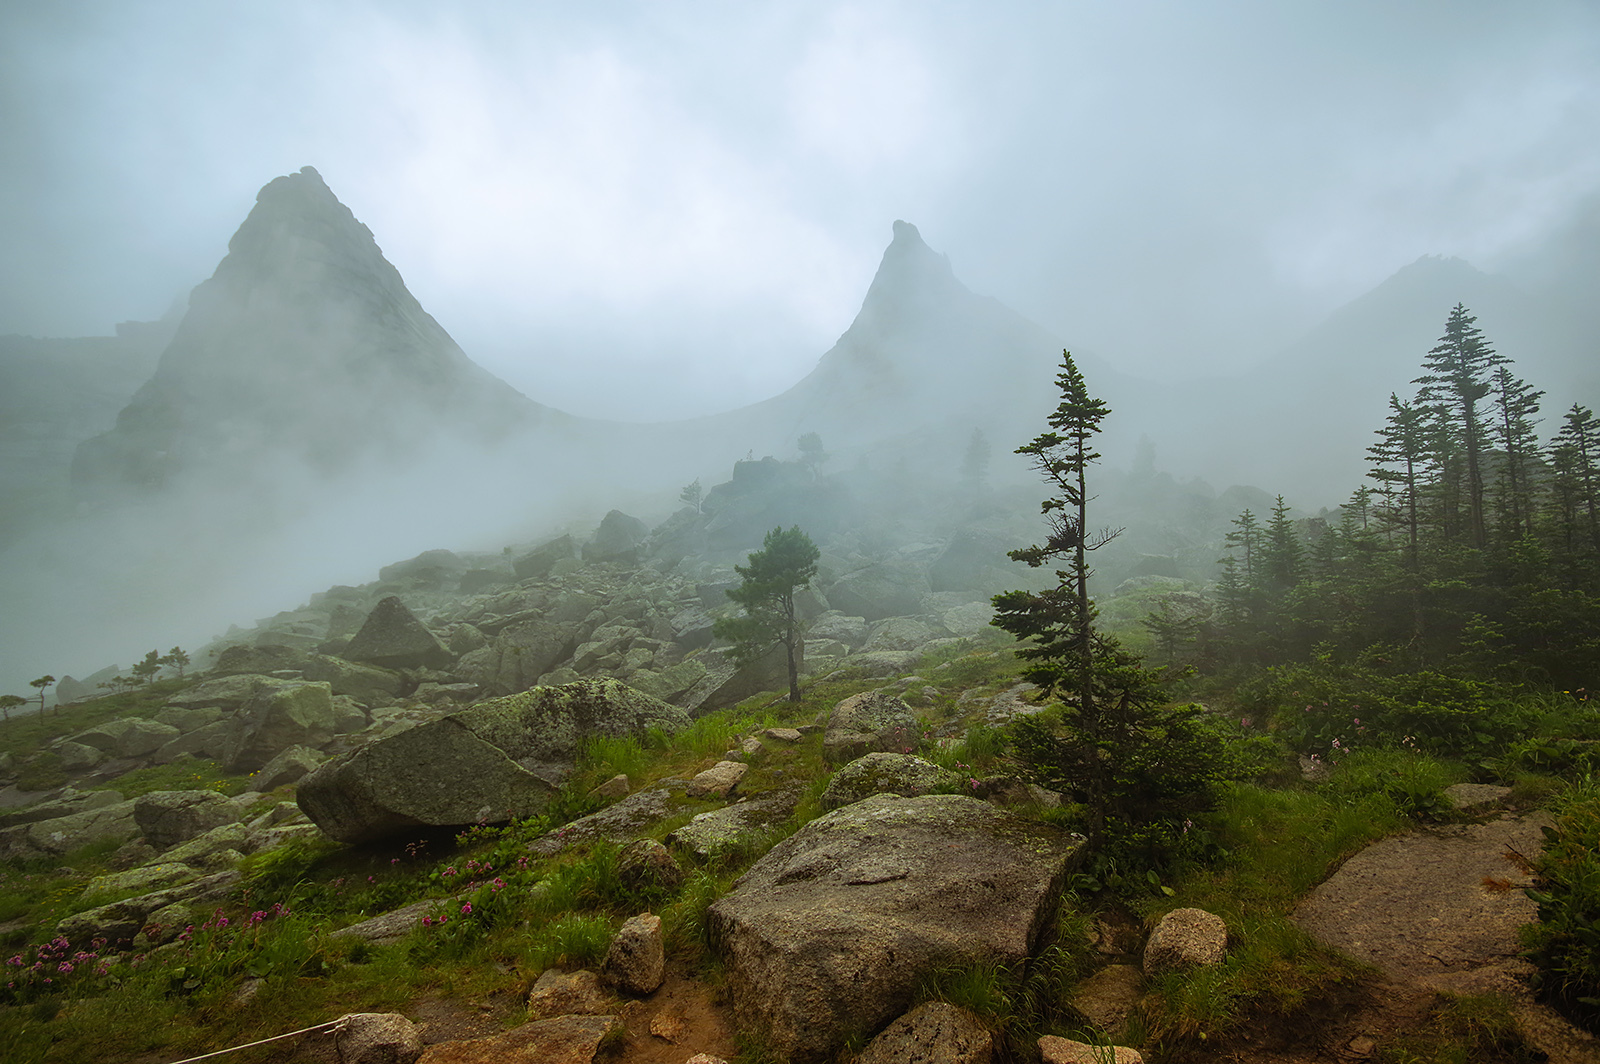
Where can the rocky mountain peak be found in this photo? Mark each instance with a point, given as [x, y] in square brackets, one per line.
[304, 344]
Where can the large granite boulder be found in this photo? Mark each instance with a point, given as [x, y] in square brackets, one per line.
[127, 737]
[889, 589]
[432, 569]
[868, 722]
[261, 659]
[521, 652]
[367, 684]
[62, 835]
[497, 760]
[393, 638]
[828, 935]
[617, 539]
[166, 818]
[225, 692]
[280, 714]
[67, 802]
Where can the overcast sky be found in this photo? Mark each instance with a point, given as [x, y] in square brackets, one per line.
[669, 208]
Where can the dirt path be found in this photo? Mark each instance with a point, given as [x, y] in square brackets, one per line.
[1438, 910]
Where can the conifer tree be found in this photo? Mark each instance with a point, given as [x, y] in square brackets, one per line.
[1515, 403]
[1455, 381]
[1246, 535]
[783, 566]
[1575, 465]
[1402, 460]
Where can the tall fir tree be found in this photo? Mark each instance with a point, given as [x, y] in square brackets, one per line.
[1455, 381]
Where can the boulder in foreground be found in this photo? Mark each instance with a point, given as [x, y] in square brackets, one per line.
[828, 934]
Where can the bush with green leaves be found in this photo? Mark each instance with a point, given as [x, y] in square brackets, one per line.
[1565, 943]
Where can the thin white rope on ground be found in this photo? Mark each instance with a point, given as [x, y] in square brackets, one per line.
[339, 1023]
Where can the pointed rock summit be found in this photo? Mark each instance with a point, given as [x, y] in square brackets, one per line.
[393, 638]
[304, 345]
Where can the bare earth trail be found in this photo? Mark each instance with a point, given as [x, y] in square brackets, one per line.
[1435, 910]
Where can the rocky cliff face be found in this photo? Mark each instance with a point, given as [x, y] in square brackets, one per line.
[306, 347]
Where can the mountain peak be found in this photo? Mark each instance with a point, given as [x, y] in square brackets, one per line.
[912, 281]
[305, 339]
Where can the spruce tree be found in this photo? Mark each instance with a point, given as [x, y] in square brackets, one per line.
[1455, 381]
[1515, 403]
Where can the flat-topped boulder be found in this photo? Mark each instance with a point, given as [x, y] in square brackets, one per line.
[827, 936]
[494, 761]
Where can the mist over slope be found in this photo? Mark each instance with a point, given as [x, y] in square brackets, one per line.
[310, 422]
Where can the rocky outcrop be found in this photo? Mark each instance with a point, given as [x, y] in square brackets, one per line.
[617, 539]
[497, 760]
[367, 684]
[393, 638]
[62, 835]
[827, 935]
[883, 773]
[869, 722]
[539, 562]
[166, 818]
[277, 715]
[127, 737]
[890, 589]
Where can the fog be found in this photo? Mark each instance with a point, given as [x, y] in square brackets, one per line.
[672, 217]
[660, 212]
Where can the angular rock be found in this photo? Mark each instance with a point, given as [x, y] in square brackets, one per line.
[647, 865]
[61, 835]
[1054, 1050]
[127, 736]
[142, 880]
[868, 722]
[1107, 997]
[391, 926]
[68, 802]
[188, 719]
[210, 740]
[882, 773]
[934, 1033]
[900, 633]
[890, 589]
[227, 692]
[851, 631]
[277, 716]
[537, 563]
[431, 569]
[783, 735]
[378, 1038]
[558, 1040]
[76, 757]
[393, 638]
[221, 846]
[262, 659]
[716, 830]
[617, 539]
[521, 653]
[493, 762]
[880, 664]
[1186, 938]
[166, 818]
[367, 684]
[288, 767]
[717, 781]
[636, 961]
[578, 993]
[669, 684]
[618, 823]
[829, 933]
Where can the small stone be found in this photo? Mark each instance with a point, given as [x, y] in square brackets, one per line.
[1361, 1046]
[615, 787]
[636, 961]
[559, 993]
[935, 1033]
[705, 1058]
[1468, 796]
[717, 781]
[667, 1026]
[1186, 938]
[1055, 1050]
[783, 735]
[378, 1038]
[752, 748]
